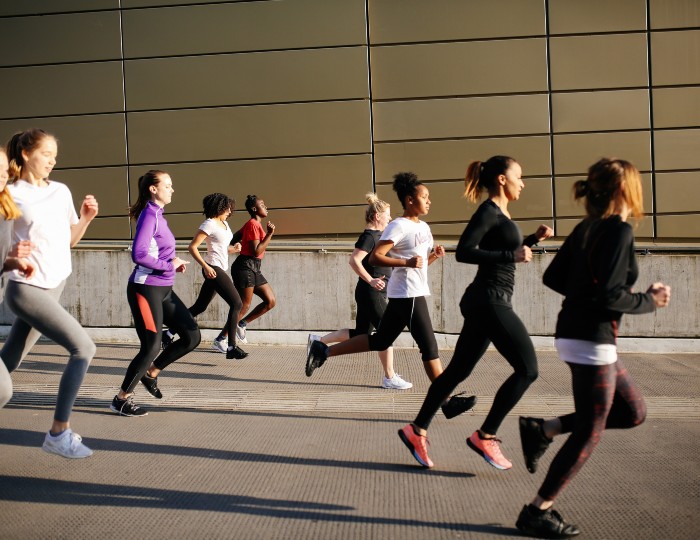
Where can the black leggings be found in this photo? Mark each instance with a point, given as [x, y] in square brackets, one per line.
[371, 305]
[402, 312]
[484, 324]
[605, 397]
[151, 306]
[223, 286]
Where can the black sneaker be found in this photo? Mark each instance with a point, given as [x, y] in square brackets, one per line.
[457, 404]
[165, 339]
[127, 407]
[318, 352]
[236, 353]
[151, 384]
[533, 440]
[548, 524]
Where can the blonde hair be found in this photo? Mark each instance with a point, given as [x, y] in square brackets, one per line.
[611, 183]
[8, 207]
[375, 206]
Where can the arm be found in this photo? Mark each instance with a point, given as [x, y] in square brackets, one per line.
[556, 273]
[145, 229]
[542, 233]
[468, 247]
[193, 248]
[88, 211]
[259, 246]
[355, 262]
[379, 257]
[436, 254]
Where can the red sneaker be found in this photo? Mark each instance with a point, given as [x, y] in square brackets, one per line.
[490, 450]
[417, 444]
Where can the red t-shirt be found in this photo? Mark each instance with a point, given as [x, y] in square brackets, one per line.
[252, 230]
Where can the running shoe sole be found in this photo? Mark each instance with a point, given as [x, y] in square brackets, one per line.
[412, 449]
[486, 458]
[310, 365]
[121, 413]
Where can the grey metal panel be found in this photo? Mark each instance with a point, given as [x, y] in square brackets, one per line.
[576, 17]
[442, 20]
[249, 132]
[678, 192]
[38, 7]
[676, 107]
[83, 141]
[61, 90]
[60, 38]
[574, 154]
[108, 185]
[451, 69]
[444, 160]
[242, 26]
[601, 111]
[677, 149]
[461, 117]
[606, 61]
[674, 13]
[675, 57]
[109, 228]
[231, 79]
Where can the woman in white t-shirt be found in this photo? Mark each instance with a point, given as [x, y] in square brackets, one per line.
[406, 245]
[217, 234]
[50, 223]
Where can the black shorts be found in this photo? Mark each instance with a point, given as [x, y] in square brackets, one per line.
[245, 272]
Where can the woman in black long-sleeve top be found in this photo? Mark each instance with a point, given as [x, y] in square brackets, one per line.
[594, 270]
[494, 242]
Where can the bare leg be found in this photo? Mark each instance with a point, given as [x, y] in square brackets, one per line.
[268, 302]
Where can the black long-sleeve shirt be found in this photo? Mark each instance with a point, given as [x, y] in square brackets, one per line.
[595, 269]
[490, 240]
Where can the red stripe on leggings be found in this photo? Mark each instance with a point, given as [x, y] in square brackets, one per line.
[146, 314]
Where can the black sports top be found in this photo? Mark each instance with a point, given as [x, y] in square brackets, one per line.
[367, 241]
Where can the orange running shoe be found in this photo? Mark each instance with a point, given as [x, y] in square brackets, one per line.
[417, 444]
[490, 450]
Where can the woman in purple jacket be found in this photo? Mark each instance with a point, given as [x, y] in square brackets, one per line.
[150, 294]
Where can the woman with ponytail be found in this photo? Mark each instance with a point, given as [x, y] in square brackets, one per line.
[370, 291]
[594, 270]
[493, 242]
[48, 221]
[150, 294]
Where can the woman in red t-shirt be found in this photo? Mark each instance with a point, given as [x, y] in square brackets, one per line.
[245, 270]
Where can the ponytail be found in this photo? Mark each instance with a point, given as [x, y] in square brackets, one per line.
[8, 207]
[151, 178]
[482, 175]
[25, 141]
[375, 206]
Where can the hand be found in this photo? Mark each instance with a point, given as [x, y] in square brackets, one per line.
[209, 272]
[89, 208]
[543, 232]
[439, 251]
[22, 265]
[415, 262]
[21, 249]
[523, 254]
[180, 264]
[378, 283]
[270, 228]
[235, 248]
[661, 294]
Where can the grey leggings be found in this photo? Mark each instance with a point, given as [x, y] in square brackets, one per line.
[5, 385]
[38, 312]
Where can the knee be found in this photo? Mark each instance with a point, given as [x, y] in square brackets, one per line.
[378, 342]
[271, 302]
[192, 338]
[639, 414]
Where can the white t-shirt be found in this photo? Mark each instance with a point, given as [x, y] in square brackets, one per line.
[218, 240]
[410, 239]
[47, 216]
[588, 353]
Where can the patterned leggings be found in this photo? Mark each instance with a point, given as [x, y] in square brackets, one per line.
[605, 397]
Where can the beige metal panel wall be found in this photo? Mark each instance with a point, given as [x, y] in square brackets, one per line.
[566, 206]
[107, 184]
[576, 17]
[107, 228]
[574, 154]
[677, 149]
[684, 226]
[445, 20]
[677, 107]
[600, 111]
[36, 7]
[674, 14]
[678, 192]
[675, 57]
[157, 3]
[58, 90]
[242, 26]
[75, 37]
[244, 79]
[452, 69]
[643, 229]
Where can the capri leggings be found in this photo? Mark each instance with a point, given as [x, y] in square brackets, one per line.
[371, 305]
[39, 312]
[151, 306]
[222, 285]
[605, 397]
[484, 324]
[402, 312]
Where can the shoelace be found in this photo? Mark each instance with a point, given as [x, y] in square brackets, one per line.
[75, 440]
[494, 445]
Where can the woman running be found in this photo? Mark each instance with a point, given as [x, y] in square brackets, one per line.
[595, 270]
[407, 246]
[151, 296]
[11, 258]
[245, 270]
[217, 235]
[494, 242]
[370, 292]
[48, 220]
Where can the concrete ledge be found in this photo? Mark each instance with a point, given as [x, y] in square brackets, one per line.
[445, 341]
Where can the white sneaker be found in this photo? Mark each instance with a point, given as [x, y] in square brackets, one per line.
[220, 345]
[240, 334]
[67, 444]
[309, 341]
[396, 383]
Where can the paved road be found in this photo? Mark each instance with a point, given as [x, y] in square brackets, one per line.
[255, 449]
